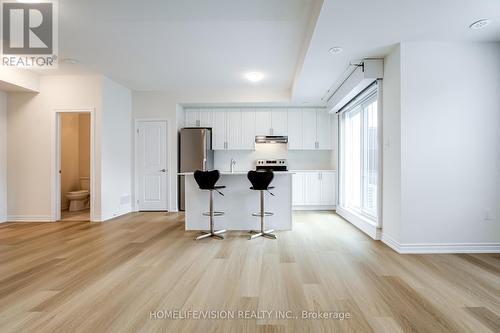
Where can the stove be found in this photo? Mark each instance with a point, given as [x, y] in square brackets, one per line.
[274, 165]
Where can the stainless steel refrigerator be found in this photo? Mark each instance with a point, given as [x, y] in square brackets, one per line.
[195, 153]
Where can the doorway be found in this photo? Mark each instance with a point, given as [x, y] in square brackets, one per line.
[151, 165]
[73, 168]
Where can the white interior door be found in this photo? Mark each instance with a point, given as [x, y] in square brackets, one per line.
[152, 165]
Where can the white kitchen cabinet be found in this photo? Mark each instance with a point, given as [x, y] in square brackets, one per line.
[219, 128]
[309, 129]
[327, 196]
[248, 130]
[323, 130]
[314, 190]
[279, 124]
[198, 118]
[298, 189]
[294, 121]
[192, 118]
[234, 130]
[206, 118]
[262, 122]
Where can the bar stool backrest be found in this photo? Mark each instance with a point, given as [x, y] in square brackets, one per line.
[260, 179]
[206, 179]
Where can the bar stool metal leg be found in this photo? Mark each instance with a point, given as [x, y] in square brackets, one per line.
[212, 233]
[262, 215]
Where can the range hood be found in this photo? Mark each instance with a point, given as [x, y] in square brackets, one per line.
[271, 139]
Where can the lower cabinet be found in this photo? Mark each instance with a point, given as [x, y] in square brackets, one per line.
[313, 190]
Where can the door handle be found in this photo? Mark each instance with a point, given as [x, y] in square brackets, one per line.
[163, 170]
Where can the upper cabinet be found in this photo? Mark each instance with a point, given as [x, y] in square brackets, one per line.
[323, 130]
[279, 124]
[248, 129]
[219, 130]
[263, 122]
[199, 118]
[309, 129]
[235, 129]
[295, 129]
[315, 129]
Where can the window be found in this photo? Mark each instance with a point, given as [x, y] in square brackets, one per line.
[359, 155]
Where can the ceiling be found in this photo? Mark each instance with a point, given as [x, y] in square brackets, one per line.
[367, 28]
[188, 45]
[205, 46]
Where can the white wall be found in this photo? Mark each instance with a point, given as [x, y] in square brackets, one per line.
[449, 153]
[451, 142]
[31, 124]
[159, 105]
[3, 156]
[18, 79]
[391, 201]
[116, 148]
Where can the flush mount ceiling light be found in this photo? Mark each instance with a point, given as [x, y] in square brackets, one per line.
[70, 61]
[480, 24]
[254, 76]
[336, 50]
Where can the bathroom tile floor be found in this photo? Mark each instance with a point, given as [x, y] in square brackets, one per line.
[80, 216]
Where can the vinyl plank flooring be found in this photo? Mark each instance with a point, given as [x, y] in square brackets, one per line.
[117, 276]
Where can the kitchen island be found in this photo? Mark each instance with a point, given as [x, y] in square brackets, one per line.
[239, 202]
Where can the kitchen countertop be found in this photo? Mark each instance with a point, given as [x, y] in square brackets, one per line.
[314, 170]
[237, 173]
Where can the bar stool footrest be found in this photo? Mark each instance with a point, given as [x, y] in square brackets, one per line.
[216, 214]
[260, 214]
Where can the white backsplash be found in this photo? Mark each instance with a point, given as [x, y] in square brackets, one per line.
[297, 160]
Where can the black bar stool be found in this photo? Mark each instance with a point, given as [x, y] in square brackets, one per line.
[260, 182]
[206, 181]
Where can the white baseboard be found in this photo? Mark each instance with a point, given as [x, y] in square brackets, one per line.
[431, 248]
[300, 207]
[362, 224]
[3, 219]
[30, 218]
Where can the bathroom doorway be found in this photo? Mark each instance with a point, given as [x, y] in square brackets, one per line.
[72, 197]
[75, 166]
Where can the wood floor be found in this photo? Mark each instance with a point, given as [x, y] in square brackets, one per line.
[80, 216]
[128, 274]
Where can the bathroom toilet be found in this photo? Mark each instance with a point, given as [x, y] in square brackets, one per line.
[80, 200]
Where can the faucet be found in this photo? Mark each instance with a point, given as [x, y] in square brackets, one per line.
[232, 164]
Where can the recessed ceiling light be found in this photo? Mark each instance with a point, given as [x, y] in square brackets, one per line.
[70, 61]
[480, 24]
[254, 76]
[336, 50]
